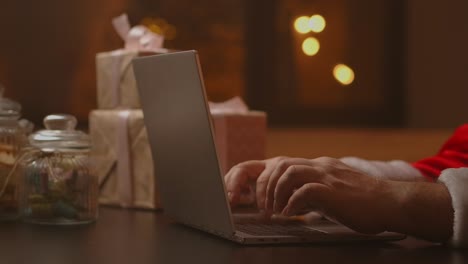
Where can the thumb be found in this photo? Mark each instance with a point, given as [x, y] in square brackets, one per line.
[239, 178]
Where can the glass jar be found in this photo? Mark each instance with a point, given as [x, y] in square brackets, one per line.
[13, 136]
[57, 185]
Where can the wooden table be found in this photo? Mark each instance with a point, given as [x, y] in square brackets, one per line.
[131, 236]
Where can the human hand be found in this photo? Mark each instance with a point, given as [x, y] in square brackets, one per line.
[249, 179]
[361, 202]
[330, 187]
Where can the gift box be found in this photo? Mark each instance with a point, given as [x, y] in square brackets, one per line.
[122, 154]
[116, 85]
[240, 133]
[122, 159]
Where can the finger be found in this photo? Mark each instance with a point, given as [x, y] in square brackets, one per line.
[280, 168]
[293, 178]
[261, 186]
[239, 177]
[310, 196]
[262, 183]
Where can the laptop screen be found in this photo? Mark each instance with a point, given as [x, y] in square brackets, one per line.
[180, 132]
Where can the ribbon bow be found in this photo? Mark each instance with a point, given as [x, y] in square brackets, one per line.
[138, 38]
[232, 106]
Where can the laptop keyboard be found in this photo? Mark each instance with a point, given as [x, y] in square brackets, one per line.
[277, 230]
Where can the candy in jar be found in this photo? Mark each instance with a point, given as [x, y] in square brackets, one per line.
[57, 185]
[12, 138]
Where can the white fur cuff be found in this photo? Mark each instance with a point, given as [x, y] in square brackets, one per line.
[456, 181]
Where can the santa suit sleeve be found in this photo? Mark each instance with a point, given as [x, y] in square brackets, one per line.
[453, 154]
[456, 181]
[449, 167]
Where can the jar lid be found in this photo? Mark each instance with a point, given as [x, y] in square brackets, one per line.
[8, 107]
[60, 134]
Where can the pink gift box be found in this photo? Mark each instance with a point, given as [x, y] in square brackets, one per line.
[239, 137]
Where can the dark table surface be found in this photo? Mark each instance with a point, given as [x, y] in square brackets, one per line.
[132, 236]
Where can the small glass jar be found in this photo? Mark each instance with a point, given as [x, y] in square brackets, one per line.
[13, 136]
[57, 186]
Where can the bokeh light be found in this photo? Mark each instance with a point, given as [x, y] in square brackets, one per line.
[343, 74]
[160, 26]
[311, 46]
[316, 23]
[301, 24]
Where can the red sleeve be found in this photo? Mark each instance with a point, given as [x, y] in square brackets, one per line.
[453, 154]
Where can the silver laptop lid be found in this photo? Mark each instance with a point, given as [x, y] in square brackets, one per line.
[180, 133]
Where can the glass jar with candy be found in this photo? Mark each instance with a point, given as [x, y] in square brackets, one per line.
[13, 136]
[57, 185]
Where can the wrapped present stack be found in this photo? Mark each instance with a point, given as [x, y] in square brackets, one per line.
[121, 152]
[121, 149]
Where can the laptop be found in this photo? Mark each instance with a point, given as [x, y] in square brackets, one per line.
[187, 169]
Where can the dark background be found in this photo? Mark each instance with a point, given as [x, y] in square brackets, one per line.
[410, 57]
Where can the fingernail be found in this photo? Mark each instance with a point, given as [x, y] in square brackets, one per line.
[230, 194]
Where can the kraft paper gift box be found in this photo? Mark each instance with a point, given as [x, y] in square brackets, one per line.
[122, 154]
[116, 85]
[240, 134]
[122, 159]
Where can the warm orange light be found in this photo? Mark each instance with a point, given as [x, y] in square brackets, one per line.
[316, 23]
[155, 29]
[301, 24]
[310, 46]
[160, 26]
[343, 74]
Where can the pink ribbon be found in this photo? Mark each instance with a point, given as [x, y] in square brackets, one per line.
[115, 80]
[137, 39]
[124, 170]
